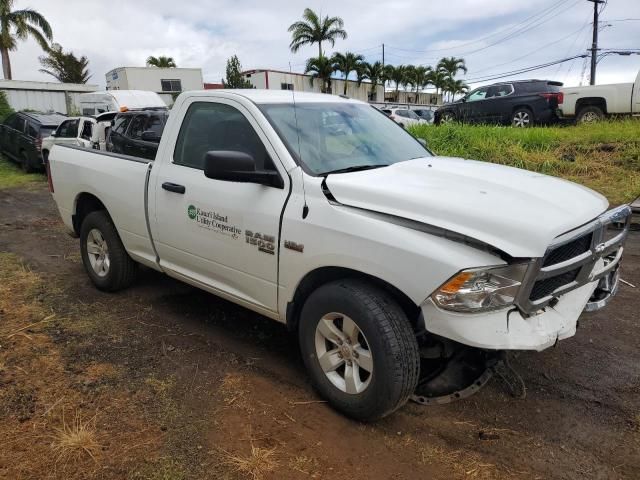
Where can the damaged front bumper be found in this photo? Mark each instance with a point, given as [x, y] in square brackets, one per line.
[579, 272]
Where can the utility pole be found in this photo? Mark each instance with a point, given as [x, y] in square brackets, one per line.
[383, 55]
[594, 45]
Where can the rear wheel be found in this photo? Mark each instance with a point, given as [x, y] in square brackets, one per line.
[359, 349]
[590, 114]
[522, 118]
[105, 259]
[25, 163]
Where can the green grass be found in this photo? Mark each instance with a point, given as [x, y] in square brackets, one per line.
[603, 156]
[12, 176]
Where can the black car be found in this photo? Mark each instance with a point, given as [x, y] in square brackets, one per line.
[521, 104]
[21, 137]
[137, 133]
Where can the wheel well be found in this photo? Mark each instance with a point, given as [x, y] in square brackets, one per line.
[518, 107]
[599, 102]
[85, 204]
[324, 275]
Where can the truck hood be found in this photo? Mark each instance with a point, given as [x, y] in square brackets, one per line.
[517, 211]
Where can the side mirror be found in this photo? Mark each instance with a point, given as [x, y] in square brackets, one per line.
[463, 99]
[150, 136]
[54, 133]
[235, 166]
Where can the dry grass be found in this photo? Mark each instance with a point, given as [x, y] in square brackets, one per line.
[254, 466]
[305, 465]
[462, 464]
[233, 390]
[73, 441]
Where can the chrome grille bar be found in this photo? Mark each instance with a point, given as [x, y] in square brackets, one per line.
[610, 251]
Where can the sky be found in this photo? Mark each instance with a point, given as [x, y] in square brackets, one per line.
[493, 36]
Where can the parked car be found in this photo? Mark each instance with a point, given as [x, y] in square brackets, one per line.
[521, 104]
[424, 114]
[137, 133]
[22, 134]
[595, 102]
[371, 248]
[403, 116]
[73, 131]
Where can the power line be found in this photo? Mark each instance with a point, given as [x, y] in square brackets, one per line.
[523, 70]
[475, 41]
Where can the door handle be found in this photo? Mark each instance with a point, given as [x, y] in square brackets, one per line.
[174, 187]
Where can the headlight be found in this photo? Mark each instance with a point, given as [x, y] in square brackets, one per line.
[480, 289]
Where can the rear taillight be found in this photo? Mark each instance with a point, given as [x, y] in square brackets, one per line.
[557, 96]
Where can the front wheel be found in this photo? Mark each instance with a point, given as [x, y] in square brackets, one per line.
[522, 118]
[359, 349]
[448, 117]
[105, 259]
[25, 163]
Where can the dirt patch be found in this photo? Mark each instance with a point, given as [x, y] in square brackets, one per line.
[164, 381]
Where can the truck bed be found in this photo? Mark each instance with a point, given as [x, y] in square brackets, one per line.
[118, 181]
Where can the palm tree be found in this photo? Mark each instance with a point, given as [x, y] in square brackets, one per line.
[455, 87]
[452, 65]
[396, 75]
[161, 62]
[65, 67]
[408, 80]
[421, 78]
[375, 72]
[438, 78]
[346, 63]
[314, 29]
[19, 25]
[320, 68]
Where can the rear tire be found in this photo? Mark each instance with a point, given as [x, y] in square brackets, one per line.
[105, 259]
[590, 114]
[447, 118]
[369, 364]
[25, 164]
[522, 118]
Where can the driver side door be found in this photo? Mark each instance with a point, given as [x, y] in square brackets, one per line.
[220, 235]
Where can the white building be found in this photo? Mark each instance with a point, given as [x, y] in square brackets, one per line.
[280, 80]
[166, 82]
[45, 96]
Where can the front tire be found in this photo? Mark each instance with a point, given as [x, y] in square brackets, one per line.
[522, 118]
[359, 349]
[105, 259]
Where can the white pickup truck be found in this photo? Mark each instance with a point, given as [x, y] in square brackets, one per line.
[399, 270]
[594, 102]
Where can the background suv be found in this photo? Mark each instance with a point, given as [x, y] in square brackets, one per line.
[137, 133]
[521, 104]
[21, 137]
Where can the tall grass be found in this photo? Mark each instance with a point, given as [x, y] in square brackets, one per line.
[603, 156]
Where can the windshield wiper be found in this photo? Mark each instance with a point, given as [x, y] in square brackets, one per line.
[355, 168]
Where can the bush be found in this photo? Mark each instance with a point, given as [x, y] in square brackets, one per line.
[5, 108]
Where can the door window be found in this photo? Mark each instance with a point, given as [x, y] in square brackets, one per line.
[215, 126]
[155, 124]
[20, 124]
[68, 129]
[499, 91]
[121, 124]
[32, 131]
[137, 127]
[479, 94]
[87, 129]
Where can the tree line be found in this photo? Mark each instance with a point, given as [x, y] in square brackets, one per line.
[313, 29]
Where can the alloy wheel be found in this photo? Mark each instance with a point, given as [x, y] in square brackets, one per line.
[343, 353]
[98, 252]
[521, 119]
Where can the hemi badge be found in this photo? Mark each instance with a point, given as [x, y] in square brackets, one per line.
[298, 247]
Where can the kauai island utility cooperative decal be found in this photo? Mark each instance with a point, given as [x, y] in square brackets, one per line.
[213, 221]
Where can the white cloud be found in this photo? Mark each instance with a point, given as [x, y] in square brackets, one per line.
[204, 34]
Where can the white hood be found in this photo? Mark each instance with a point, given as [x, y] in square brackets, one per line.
[518, 211]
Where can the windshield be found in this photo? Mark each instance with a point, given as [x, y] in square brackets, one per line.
[336, 136]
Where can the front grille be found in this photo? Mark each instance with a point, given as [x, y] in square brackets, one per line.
[545, 287]
[568, 250]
